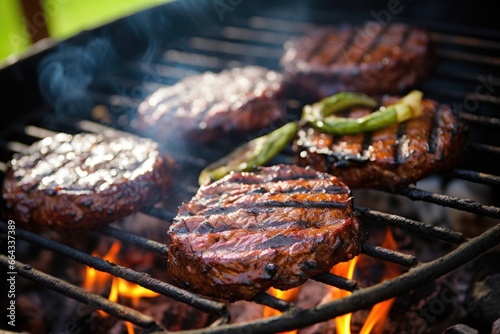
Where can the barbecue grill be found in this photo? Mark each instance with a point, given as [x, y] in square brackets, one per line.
[94, 81]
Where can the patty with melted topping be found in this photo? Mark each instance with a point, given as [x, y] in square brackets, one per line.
[204, 107]
[84, 180]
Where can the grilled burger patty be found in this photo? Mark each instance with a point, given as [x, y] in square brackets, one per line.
[397, 155]
[370, 58]
[210, 105]
[84, 180]
[276, 226]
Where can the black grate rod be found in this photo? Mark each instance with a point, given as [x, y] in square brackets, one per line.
[480, 120]
[484, 148]
[469, 57]
[91, 299]
[464, 40]
[232, 48]
[471, 175]
[144, 243]
[337, 281]
[267, 23]
[141, 279]
[273, 302]
[388, 255]
[254, 35]
[461, 95]
[159, 213]
[449, 201]
[426, 230]
[198, 60]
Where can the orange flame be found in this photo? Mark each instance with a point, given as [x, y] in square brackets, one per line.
[379, 312]
[96, 281]
[345, 269]
[288, 295]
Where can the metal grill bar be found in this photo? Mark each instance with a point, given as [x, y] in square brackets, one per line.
[122, 272]
[469, 57]
[471, 175]
[484, 148]
[481, 120]
[337, 281]
[449, 201]
[464, 40]
[389, 255]
[271, 301]
[427, 230]
[159, 213]
[136, 240]
[77, 293]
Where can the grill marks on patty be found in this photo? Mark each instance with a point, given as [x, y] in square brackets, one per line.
[351, 46]
[262, 200]
[397, 155]
[281, 216]
[370, 58]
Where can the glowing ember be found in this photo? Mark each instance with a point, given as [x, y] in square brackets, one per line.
[288, 295]
[96, 281]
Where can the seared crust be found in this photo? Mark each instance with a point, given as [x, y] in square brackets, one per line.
[207, 106]
[370, 58]
[397, 155]
[83, 181]
[250, 231]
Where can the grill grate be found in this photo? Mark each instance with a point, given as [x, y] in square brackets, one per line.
[368, 296]
[291, 319]
[465, 55]
[80, 294]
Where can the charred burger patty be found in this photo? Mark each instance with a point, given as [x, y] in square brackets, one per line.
[249, 231]
[371, 58]
[210, 105]
[399, 154]
[84, 180]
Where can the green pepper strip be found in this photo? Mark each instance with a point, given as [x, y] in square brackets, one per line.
[335, 103]
[404, 109]
[250, 155]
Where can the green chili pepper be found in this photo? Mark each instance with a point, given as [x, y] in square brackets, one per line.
[335, 103]
[250, 155]
[404, 109]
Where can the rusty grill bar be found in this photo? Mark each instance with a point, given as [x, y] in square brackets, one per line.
[258, 40]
